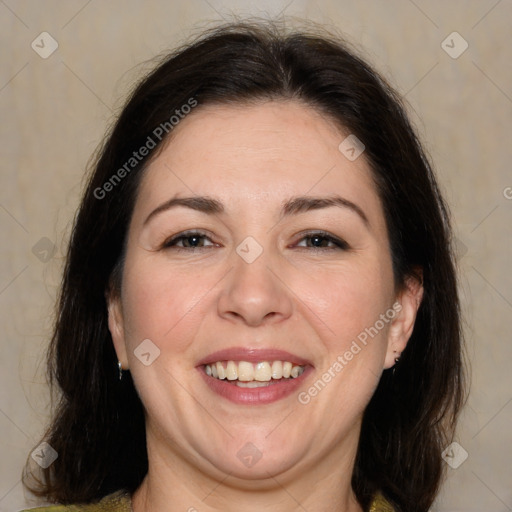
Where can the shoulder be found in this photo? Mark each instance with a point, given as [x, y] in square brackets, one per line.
[117, 502]
[380, 504]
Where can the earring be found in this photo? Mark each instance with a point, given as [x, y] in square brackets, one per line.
[397, 358]
[120, 366]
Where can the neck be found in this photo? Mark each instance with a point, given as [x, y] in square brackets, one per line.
[174, 483]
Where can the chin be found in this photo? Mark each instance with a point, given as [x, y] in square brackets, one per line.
[249, 460]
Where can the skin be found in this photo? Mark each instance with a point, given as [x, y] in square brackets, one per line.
[312, 302]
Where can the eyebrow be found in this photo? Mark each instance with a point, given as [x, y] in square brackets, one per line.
[293, 206]
[303, 204]
[200, 203]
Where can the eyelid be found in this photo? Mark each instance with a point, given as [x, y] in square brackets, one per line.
[184, 234]
[339, 243]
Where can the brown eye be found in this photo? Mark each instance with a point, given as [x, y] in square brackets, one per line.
[318, 241]
[322, 240]
[189, 240]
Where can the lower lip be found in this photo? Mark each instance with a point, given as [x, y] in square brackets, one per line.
[254, 396]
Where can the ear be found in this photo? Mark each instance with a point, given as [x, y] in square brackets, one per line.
[406, 306]
[116, 326]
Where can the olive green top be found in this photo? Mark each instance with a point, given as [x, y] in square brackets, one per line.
[121, 502]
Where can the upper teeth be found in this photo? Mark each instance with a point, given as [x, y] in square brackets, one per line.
[244, 371]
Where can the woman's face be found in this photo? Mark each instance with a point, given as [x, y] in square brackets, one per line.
[259, 248]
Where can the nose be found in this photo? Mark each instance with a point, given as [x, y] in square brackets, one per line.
[254, 294]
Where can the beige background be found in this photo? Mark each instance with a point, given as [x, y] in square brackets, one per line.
[55, 111]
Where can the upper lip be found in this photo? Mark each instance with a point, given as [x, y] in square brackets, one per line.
[253, 355]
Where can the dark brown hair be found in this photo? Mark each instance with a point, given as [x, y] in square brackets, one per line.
[98, 427]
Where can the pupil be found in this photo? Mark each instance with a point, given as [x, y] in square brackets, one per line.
[193, 241]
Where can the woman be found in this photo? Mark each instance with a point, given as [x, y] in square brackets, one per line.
[259, 307]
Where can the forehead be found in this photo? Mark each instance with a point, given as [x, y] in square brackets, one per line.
[258, 154]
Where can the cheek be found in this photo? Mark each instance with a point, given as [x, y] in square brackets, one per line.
[349, 301]
[345, 312]
[162, 305]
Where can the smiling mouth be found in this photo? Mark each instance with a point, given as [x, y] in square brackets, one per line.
[245, 374]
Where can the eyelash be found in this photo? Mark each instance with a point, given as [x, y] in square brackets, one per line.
[339, 244]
